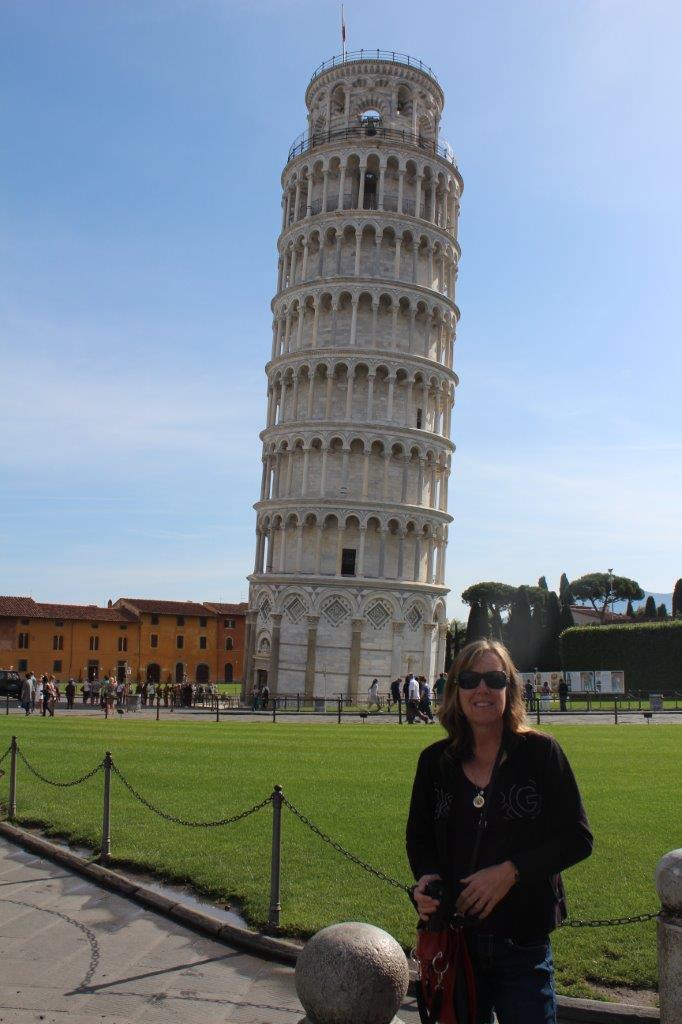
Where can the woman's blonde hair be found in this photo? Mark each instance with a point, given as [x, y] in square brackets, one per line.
[452, 717]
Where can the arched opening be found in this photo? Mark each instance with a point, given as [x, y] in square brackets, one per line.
[154, 673]
[228, 674]
[202, 674]
[179, 672]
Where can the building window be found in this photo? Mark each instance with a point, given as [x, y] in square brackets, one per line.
[419, 419]
[229, 643]
[123, 643]
[123, 627]
[203, 622]
[94, 643]
[56, 666]
[155, 620]
[202, 643]
[180, 621]
[179, 642]
[58, 642]
[228, 673]
[23, 642]
[94, 625]
[348, 562]
[229, 623]
[59, 622]
[25, 622]
[23, 665]
[154, 640]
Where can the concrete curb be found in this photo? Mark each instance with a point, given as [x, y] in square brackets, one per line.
[570, 1011]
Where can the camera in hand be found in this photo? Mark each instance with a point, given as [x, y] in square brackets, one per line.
[440, 918]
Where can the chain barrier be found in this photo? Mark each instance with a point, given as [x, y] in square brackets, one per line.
[53, 782]
[6, 754]
[609, 922]
[342, 850]
[183, 821]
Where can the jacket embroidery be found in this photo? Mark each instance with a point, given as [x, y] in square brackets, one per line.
[443, 803]
[521, 802]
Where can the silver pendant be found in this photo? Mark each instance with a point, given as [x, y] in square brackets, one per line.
[479, 800]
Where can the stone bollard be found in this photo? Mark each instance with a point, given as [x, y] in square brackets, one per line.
[351, 973]
[669, 930]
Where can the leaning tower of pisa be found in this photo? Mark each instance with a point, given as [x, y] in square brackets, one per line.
[352, 521]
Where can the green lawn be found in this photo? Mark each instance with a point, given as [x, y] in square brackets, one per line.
[354, 782]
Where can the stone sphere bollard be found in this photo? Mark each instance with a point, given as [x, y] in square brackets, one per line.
[351, 973]
[669, 930]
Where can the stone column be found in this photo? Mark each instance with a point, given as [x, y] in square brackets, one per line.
[304, 265]
[311, 656]
[249, 644]
[309, 197]
[325, 181]
[283, 548]
[274, 653]
[389, 404]
[382, 175]
[370, 395]
[398, 256]
[358, 251]
[442, 638]
[342, 184]
[361, 190]
[354, 663]
[375, 314]
[318, 549]
[328, 400]
[427, 660]
[297, 199]
[401, 553]
[418, 196]
[306, 464]
[361, 552]
[382, 551]
[354, 319]
[299, 547]
[401, 189]
[397, 650]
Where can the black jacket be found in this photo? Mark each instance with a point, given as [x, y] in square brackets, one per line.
[536, 819]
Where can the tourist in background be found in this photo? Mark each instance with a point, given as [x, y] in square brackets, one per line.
[27, 694]
[373, 695]
[70, 691]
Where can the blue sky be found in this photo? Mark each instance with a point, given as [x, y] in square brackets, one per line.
[140, 204]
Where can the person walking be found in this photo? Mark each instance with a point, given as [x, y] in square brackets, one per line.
[425, 699]
[373, 695]
[394, 693]
[70, 691]
[439, 688]
[412, 708]
[37, 692]
[495, 816]
[27, 694]
[563, 694]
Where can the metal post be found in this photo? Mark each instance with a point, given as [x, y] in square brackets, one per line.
[298, 702]
[340, 702]
[217, 706]
[276, 862]
[537, 709]
[106, 706]
[158, 706]
[400, 711]
[615, 711]
[274, 709]
[13, 780]
[105, 852]
[7, 704]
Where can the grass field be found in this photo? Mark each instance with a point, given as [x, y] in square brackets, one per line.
[354, 782]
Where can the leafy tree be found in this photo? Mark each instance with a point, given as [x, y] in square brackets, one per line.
[567, 619]
[477, 625]
[601, 588]
[551, 652]
[565, 592]
[496, 596]
[537, 597]
[542, 583]
[677, 599]
[519, 631]
[662, 611]
[650, 608]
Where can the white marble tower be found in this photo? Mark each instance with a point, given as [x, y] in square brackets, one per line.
[352, 522]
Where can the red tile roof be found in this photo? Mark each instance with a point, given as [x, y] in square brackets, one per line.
[143, 604]
[27, 608]
[228, 609]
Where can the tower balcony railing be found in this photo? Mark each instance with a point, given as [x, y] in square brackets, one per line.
[370, 202]
[390, 56]
[370, 130]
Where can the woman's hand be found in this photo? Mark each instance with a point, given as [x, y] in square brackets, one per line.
[485, 888]
[425, 904]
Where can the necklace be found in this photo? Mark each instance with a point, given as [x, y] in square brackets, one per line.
[479, 799]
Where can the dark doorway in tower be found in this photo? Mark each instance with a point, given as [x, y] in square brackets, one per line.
[93, 670]
[370, 198]
[202, 674]
[154, 673]
[348, 562]
[228, 673]
[179, 673]
[261, 677]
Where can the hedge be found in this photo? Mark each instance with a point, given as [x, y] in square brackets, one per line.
[650, 653]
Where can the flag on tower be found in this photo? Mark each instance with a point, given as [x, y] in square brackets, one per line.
[343, 33]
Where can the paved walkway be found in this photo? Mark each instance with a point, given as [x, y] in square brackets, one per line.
[72, 952]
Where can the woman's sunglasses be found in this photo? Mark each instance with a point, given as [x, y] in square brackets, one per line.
[469, 680]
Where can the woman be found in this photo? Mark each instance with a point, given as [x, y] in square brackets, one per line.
[535, 827]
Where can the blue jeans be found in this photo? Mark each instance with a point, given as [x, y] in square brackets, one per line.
[517, 981]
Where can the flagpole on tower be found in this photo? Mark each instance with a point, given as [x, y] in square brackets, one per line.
[343, 33]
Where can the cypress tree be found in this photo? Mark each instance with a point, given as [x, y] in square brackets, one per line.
[650, 611]
[566, 617]
[662, 611]
[551, 659]
[519, 631]
[677, 598]
[565, 592]
[477, 624]
[542, 583]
